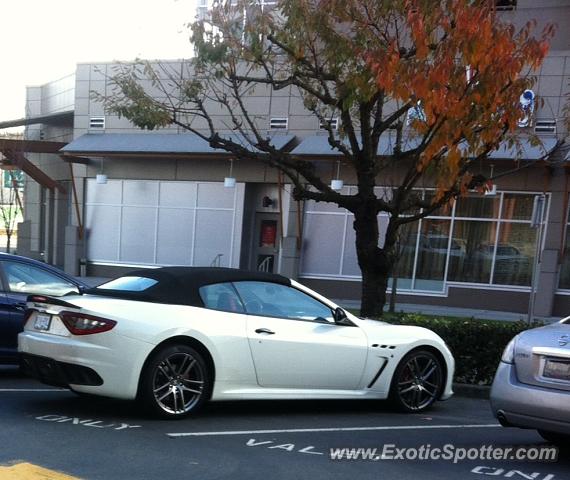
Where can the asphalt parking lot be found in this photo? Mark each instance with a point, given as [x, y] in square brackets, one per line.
[94, 438]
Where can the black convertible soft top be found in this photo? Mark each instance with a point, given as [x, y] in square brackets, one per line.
[180, 285]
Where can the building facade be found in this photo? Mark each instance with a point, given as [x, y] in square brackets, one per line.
[128, 198]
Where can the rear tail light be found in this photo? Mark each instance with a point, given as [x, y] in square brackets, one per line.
[82, 324]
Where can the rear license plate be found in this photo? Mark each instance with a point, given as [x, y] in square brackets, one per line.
[558, 370]
[42, 322]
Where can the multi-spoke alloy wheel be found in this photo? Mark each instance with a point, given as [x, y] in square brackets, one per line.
[417, 382]
[175, 381]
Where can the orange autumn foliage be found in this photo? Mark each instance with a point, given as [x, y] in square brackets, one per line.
[466, 67]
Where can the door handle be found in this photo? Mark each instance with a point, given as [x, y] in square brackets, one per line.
[20, 306]
[265, 330]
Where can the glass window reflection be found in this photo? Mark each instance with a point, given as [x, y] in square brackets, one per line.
[517, 206]
[478, 207]
[515, 254]
[432, 254]
[472, 262]
[406, 248]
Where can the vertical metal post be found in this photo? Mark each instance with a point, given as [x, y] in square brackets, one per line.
[537, 222]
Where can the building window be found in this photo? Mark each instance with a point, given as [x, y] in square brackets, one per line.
[481, 240]
[97, 122]
[329, 123]
[503, 5]
[13, 178]
[278, 123]
[545, 126]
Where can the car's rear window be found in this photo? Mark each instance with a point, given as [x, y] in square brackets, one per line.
[129, 284]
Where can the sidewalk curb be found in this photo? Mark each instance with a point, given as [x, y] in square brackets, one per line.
[472, 391]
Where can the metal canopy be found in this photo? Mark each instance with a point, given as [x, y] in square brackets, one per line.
[141, 144]
[318, 145]
[58, 118]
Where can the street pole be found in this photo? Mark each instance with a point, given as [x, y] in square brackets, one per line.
[537, 222]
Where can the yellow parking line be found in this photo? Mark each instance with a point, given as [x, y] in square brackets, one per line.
[29, 471]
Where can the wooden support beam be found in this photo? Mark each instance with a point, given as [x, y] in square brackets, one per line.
[76, 201]
[18, 159]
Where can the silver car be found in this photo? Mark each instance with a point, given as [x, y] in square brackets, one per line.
[532, 384]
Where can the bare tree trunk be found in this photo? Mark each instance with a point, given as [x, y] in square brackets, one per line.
[374, 262]
[8, 238]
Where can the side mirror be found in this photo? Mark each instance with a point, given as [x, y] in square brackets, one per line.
[340, 318]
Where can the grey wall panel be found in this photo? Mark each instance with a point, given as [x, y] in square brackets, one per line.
[174, 236]
[178, 194]
[140, 193]
[213, 237]
[138, 232]
[322, 244]
[349, 262]
[103, 226]
[164, 222]
[238, 224]
[215, 195]
[108, 193]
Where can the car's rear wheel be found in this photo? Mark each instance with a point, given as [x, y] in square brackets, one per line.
[175, 382]
[555, 437]
[417, 382]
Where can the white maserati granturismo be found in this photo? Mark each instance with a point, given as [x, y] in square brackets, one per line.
[173, 338]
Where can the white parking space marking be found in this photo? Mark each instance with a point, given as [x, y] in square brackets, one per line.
[88, 422]
[33, 390]
[337, 429]
[501, 472]
[289, 447]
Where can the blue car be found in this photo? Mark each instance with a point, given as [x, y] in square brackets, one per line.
[20, 277]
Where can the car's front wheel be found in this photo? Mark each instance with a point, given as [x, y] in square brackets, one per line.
[175, 382]
[417, 382]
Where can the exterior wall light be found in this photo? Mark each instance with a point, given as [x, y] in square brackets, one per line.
[267, 202]
[492, 190]
[337, 183]
[230, 181]
[101, 178]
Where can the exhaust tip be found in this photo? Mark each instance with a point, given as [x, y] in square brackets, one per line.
[503, 419]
